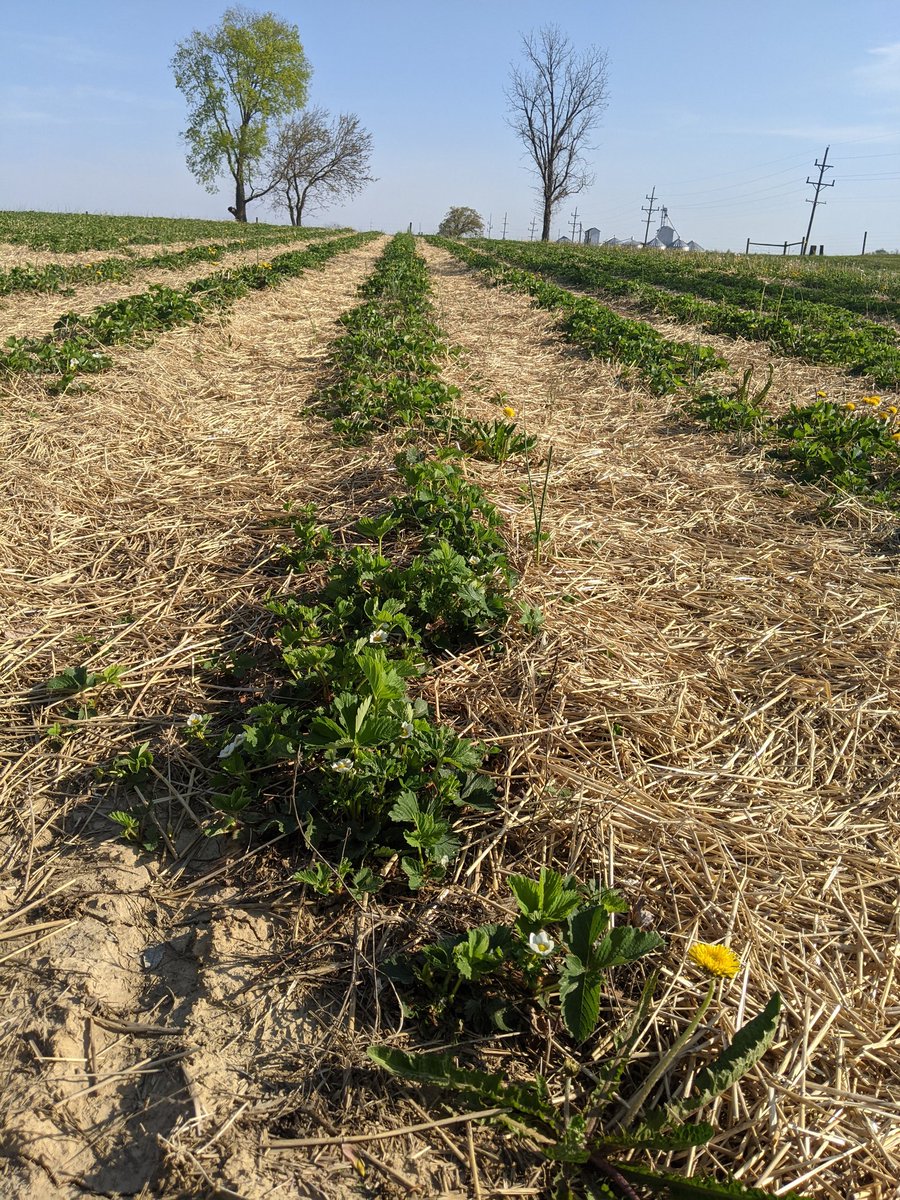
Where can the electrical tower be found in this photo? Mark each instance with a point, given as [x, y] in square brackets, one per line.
[533, 224]
[574, 221]
[650, 210]
[818, 185]
[504, 227]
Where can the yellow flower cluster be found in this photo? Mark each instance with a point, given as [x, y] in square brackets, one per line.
[509, 411]
[266, 266]
[886, 412]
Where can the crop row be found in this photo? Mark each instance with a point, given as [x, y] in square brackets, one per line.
[55, 277]
[787, 286]
[373, 775]
[854, 446]
[663, 365]
[71, 232]
[824, 334]
[74, 345]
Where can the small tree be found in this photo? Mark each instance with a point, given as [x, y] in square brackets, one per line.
[237, 78]
[555, 100]
[315, 161]
[461, 222]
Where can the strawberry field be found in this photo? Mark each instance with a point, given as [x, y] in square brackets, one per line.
[451, 741]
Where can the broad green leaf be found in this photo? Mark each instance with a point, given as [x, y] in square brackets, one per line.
[406, 808]
[749, 1045]
[623, 944]
[551, 897]
[584, 927]
[579, 993]
[645, 1137]
[529, 1099]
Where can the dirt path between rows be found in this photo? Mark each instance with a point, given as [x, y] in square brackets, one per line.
[30, 314]
[139, 1020]
[727, 723]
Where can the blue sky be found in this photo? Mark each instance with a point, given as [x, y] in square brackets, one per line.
[723, 107]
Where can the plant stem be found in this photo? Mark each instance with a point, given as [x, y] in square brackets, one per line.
[637, 1100]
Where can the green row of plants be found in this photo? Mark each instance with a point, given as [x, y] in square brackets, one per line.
[785, 285]
[72, 232]
[663, 366]
[343, 753]
[75, 344]
[57, 277]
[853, 446]
[817, 333]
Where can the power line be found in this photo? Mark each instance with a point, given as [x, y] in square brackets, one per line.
[818, 185]
[650, 210]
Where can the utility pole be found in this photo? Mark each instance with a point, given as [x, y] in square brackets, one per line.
[580, 231]
[533, 224]
[865, 236]
[490, 225]
[504, 227]
[818, 185]
[650, 210]
[574, 219]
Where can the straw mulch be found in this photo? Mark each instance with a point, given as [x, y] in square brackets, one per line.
[29, 314]
[707, 722]
[15, 255]
[712, 717]
[136, 532]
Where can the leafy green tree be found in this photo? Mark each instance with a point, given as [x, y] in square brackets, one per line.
[461, 222]
[237, 78]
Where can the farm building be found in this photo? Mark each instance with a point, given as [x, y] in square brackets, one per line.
[666, 238]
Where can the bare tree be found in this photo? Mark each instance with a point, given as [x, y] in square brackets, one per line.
[555, 99]
[316, 160]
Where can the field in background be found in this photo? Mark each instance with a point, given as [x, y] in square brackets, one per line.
[71, 232]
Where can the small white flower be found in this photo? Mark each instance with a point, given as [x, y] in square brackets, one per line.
[342, 766]
[378, 637]
[96, 354]
[232, 746]
[193, 721]
[541, 943]
[444, 861]
[474, 560]
[407, 729]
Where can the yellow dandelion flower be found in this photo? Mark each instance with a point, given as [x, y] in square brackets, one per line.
[821, 394]
[892, 409]
[509, 411]
[719, 962]
[874, 401]
[266, 266]
[850, 405]
[896, 437]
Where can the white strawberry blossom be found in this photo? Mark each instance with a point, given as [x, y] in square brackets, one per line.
[541, 943]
